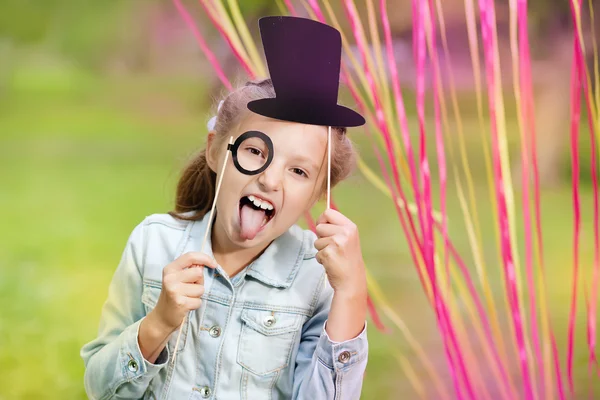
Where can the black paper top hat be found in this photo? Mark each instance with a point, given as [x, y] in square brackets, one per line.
[303, 57]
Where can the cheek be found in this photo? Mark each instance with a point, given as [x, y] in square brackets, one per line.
[318, 190]
[300, 195]
[232, 185]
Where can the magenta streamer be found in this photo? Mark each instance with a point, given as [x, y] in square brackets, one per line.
[225, 36]
[290, 7]
[442, 313]
[404, 129]
[399, 101]
[388, 182]
[591, 305]
[480, 309]
[525, 89]
[529, 110]
[439, 142]
[379, 114]
[209, 54]
[576, 80]
[487, 20]
[576, 115]
[443, 177]
[444, 319]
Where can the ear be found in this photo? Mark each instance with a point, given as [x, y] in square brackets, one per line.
[212, 152]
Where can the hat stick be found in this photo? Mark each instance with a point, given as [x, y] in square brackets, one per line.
[329, 167]
[206, 235]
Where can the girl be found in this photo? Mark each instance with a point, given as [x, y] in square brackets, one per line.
[265, 309]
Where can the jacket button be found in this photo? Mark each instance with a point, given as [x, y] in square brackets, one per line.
[132, 365]
[269, 321]
[205, 391]
[344, 357]
[215, 331]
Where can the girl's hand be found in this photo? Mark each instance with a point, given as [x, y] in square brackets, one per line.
[339, 252]
[182, 287]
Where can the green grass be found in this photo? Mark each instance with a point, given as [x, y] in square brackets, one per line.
[83, 160]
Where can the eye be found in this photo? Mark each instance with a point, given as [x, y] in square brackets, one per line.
[254, 151]
[300, 172]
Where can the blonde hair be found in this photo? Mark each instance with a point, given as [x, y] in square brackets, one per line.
[196, 186]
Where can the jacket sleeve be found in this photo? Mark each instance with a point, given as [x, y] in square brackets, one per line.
[326, 369]
[114, 365]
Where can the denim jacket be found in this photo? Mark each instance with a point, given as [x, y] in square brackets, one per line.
[258, 335]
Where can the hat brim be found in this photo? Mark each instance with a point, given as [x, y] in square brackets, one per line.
[307, 113]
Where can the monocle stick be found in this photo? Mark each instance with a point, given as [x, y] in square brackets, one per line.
[205, 236]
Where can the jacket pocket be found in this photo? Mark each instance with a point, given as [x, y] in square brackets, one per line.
[150, 294]
[266, 340]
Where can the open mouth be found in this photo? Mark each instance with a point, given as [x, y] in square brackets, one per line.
[255, 213]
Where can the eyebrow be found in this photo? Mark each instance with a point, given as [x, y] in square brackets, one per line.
[299, 158]
[311, 163]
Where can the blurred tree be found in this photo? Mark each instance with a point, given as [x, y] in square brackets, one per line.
[26, 21]
[21, 23]
[83, 30]
[87, 31]
[552, 47]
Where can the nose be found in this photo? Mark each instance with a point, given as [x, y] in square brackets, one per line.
[270, 180]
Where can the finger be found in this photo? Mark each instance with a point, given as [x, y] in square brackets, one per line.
[320, 244]
[322, 256]
[194, 258]
[191, 290]
[318, 258]
[325, 230]
[191, 275]
[322, 219]
[193, 303]
[335, 217]
[200, 280]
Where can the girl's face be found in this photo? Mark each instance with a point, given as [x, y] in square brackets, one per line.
[255, 209]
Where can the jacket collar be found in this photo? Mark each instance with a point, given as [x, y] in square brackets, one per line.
[276, 266]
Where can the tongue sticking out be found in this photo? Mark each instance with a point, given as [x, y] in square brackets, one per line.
[251, 221]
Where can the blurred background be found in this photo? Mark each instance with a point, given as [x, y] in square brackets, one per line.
[101, 104]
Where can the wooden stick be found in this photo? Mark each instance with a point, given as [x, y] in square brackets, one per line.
[205, 237]
[329, 167]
